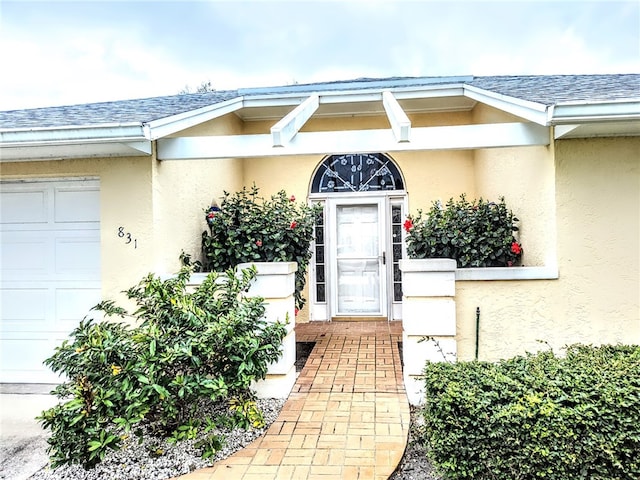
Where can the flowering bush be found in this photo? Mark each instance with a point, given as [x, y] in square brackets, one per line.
[476, 234]
[248, 228]
[186, 346]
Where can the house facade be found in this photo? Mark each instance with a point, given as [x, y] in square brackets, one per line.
[96, 196]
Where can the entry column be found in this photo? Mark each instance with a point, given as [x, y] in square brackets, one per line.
[428, 310]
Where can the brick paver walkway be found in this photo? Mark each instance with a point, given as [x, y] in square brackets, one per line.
[347, 416]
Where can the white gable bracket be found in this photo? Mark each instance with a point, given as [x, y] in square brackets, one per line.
[287, 128]
[563, 130]
[400, 123]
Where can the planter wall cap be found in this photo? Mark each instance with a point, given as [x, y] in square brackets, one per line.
[427, 264]
[197, 278]
[549, 272]
[271, 268]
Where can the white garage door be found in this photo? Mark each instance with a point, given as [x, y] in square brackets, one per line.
[50, 270]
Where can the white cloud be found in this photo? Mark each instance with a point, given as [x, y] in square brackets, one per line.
[65, 53]
[85, 66]
[551, 52]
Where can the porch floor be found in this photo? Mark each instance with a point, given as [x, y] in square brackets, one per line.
[346, 417]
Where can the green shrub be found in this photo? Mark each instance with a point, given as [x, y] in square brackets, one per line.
[248, 228]
[211, 343]
[477, 234]
[537, 416]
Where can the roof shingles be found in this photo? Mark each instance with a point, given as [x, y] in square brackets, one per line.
[543, 89]
[118, 112]
[555, 89]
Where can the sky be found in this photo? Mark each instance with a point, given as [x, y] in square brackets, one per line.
[63, 53]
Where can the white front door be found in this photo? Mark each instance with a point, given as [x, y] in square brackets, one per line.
[358, 257]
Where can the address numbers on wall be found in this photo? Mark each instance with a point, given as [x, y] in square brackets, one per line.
[127, 237]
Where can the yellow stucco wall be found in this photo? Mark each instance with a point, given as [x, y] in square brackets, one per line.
[597, 296]
[183, 189]
[525, 178]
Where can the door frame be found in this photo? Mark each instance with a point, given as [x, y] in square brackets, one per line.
[332, 204]
[323, 310]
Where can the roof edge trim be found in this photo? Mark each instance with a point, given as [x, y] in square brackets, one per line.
[74, 135]
[573, 112]
[532, 111]
[175, 123]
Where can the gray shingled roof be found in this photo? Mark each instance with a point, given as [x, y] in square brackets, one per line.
[547, 90]
[118, 112]
[554, 89]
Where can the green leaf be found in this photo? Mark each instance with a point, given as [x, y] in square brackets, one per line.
[94, 445]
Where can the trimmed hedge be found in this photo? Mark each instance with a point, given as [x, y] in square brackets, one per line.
[536, 416]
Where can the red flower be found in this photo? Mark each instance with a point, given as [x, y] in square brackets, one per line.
[408, 225]
[293, 225]
[259, 243]
[293, 198]
[509, 263]
[211, 215]
[516, 248]
[296, 312]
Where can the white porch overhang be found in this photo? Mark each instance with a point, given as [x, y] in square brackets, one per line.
[285, 137]
[290, 108]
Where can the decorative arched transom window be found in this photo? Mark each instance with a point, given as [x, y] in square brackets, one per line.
[357, 172]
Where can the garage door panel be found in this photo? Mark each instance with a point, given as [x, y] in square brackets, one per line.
[23, 206]
[74, 205]
[25, 255]
[50, 308]
[73, 304]
[24, 305]
[32, 351]
[77, 253]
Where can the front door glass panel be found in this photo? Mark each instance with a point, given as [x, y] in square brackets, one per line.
[358, 259]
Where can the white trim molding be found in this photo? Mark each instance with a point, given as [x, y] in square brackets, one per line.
[507, 273]
[455, 137]
[534, 112]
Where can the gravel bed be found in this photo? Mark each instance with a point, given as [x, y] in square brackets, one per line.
[142, 461]
[157, 459]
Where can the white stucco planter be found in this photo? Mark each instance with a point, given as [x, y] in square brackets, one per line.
[429, 316]
[428, 277]
[274, 279]
[275, 282]
[428, 310]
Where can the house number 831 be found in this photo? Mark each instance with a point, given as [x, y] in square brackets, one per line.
[128, 239]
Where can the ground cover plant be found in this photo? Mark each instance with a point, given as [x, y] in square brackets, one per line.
[569, 417]
[475, 234]
[249, 228]
[185, 347]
